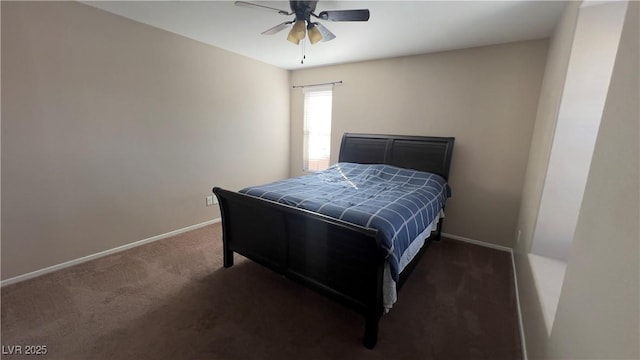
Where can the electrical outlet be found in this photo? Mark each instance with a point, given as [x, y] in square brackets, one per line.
[215, 200]
[210, 200]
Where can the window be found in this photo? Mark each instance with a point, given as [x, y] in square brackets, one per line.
[317, 127]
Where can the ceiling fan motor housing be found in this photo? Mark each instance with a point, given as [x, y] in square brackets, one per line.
[303, 9]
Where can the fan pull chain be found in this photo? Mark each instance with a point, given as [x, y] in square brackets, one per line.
[303, 53]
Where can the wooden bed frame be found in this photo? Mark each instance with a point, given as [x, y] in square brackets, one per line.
[341, 260]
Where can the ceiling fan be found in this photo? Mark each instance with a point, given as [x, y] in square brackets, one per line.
[302, 24]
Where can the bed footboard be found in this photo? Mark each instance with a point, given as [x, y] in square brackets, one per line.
[339, 259]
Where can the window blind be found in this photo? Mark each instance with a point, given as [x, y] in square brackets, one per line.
[317, 127]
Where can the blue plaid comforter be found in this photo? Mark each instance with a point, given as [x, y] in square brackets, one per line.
[399, 203]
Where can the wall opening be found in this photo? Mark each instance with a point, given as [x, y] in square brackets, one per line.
[593, 54]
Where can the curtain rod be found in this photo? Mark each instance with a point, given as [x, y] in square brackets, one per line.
[329, 83]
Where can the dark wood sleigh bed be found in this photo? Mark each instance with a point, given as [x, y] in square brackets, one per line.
[339, 259]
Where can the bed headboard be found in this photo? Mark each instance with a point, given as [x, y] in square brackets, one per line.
[423, 153]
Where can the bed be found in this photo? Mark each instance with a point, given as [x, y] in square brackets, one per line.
[346, 257]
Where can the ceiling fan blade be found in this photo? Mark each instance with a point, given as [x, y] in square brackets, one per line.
[326, 34]
[277, 28]
[345, 15]
[258, 6]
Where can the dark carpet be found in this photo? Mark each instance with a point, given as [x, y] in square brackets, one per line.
[173, 300]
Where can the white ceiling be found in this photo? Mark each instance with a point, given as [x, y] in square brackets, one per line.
[395, 28]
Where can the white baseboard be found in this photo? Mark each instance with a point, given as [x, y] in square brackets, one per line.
[118, 249]
[477, 242]
[515, 279]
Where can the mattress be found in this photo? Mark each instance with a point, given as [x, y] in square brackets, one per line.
[389, 290]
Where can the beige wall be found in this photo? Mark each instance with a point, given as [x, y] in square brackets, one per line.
[546, 117]
[114, 131]
[541, 142]
[593, 52]
[597, 315]
[486, 97]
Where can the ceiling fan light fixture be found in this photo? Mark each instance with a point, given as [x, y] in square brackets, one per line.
[292, 38]
[299, 30]
[314, 34]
